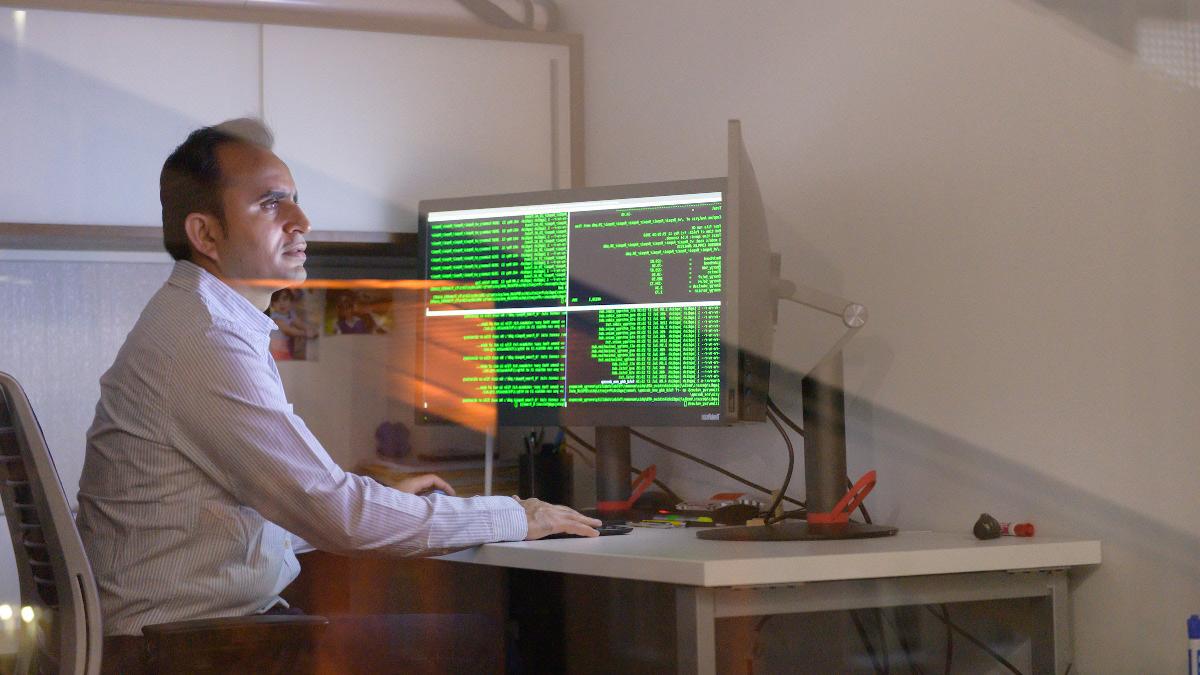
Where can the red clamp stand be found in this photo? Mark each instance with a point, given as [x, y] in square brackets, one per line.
[847, 504]
[643, 481]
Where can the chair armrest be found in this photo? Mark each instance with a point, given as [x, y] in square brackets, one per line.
[234, 644]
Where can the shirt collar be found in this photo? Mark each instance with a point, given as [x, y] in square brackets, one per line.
[221, 300]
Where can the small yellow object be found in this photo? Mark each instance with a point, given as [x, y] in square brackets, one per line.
[27, 614]
[6, 612]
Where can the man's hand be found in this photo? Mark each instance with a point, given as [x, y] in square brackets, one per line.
[424, 483]
[545, 519]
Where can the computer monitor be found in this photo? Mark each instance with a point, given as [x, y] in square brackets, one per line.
[597, 306]
[608, 307]
[632, 305]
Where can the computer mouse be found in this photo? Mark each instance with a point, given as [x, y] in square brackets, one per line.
[605, 531]
[734, 514]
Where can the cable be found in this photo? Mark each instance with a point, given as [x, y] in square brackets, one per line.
[949, 643]
[771, 405]
[775, 409]
[578, 452]
[885, 653]
[787, 479]
[709, 465]
[974, 640]
[866, 640]
[902, 638]
[754, 645]
[632, 470]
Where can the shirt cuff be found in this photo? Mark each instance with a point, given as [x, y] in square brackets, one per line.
[508, 519]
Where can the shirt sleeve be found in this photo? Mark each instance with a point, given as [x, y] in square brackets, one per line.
[231, 417]
[299, 545]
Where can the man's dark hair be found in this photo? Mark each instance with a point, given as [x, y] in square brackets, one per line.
[190, 181]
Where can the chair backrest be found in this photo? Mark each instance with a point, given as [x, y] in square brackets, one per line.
[56, 578]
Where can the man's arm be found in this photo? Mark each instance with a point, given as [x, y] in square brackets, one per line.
[232, 418]
[299, 545]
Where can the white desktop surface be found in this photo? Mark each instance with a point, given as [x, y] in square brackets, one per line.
[679, 557]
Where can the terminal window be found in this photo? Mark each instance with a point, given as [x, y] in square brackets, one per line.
[602, 303]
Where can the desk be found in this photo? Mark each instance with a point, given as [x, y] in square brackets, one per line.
[716, 579]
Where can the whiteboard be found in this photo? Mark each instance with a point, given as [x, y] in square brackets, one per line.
[371, 123]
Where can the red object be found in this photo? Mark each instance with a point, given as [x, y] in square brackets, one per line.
[727, 496]
[1017, 529]
[852, 499]
[643, 481]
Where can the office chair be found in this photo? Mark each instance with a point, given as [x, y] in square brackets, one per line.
[57, 582]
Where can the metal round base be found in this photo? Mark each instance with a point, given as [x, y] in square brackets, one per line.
[796, 531]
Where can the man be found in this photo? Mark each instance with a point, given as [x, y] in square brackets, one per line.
[200, 483]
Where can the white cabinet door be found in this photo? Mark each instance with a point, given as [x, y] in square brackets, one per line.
[371, 123]
[91, 105]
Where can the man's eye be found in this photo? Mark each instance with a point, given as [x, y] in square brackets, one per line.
[271, 204]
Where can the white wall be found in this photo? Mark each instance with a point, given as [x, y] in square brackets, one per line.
[1016, 203]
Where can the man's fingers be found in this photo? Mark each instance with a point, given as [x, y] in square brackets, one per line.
[580, 528]
[575, 515]
[439, 484]
[545, 519]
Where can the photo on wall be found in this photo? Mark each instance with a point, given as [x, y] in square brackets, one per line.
[358, 311]
[296, 312]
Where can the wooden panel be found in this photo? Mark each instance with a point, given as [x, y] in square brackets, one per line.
[332, 584]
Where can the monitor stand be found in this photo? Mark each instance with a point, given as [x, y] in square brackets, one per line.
[613, 467]
[613, 462]
[824, 467]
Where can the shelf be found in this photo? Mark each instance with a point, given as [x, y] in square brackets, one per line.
[334, 254]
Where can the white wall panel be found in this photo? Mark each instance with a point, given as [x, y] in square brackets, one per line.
[91, 105]
[370, 123]
[1015, 202]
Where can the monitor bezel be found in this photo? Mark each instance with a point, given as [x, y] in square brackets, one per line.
[597, 415]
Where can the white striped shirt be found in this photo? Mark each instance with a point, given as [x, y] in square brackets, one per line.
[197, 472]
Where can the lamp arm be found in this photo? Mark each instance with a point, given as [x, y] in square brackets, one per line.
[852, 314]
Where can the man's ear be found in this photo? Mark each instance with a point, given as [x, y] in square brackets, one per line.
[203, 232]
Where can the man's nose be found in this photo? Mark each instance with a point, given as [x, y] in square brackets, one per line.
[298, 221]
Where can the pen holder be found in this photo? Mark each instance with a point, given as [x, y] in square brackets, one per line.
[547, 476]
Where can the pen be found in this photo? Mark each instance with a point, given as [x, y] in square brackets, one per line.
[530, 442]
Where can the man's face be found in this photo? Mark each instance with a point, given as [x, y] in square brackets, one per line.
[263, 225]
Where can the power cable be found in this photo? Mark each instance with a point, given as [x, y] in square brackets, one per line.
[773, 407]
[787, 479]
[709, 465]
[902, 638]
[632, 470]
[866, 640]
[945, 618]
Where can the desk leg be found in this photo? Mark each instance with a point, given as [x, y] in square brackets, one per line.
[1050, 647]
[695, 630]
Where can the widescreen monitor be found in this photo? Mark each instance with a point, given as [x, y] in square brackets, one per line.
[647, 304]
[599, 306]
